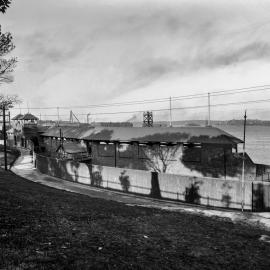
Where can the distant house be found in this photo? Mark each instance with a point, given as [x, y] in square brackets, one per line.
[29, 118]
[23, 130]
[17, 117]
[196, 151]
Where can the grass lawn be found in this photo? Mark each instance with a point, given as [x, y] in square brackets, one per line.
[44, 228]
[12, 154]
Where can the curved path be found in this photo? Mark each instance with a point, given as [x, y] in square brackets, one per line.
[24, 168]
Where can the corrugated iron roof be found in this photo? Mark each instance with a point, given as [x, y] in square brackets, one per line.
[28, 116]
[69, 132]
[151, 134]
[17, 117]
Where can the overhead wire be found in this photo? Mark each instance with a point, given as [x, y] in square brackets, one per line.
[173, 108]
[176, 98]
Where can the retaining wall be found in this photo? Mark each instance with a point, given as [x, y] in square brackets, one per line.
[200, 190]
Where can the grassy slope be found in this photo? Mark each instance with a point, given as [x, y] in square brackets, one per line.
[43, 228]
[12, 154]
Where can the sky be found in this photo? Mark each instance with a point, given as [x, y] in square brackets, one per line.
[78, 53]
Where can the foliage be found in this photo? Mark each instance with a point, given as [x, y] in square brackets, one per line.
[6, 46]
[8, 101]
[4, 4]
[6, 65]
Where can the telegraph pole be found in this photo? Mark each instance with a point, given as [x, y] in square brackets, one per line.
[243, 162]
[209, 121]
[170, 111]
[87, 117]
[58, 117]
[71, 117]
[5, 135]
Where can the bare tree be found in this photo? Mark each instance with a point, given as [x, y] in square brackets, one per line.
[159, 157]
[6, 46]
[7, 101]
[6, 65]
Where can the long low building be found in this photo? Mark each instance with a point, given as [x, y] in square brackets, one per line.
[196, 151]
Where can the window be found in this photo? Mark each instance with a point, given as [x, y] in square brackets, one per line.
[106, 150]
[192, 152]
[125, 150]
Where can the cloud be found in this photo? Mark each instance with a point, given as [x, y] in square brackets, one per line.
[101, 50]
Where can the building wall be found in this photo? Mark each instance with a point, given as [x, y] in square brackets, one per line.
[199, 190]
[216, 161]
[207, 161]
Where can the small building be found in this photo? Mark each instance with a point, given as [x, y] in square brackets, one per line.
[21, 125]
[29, 118]
[73, 151]
[193, 151]
[17, 117]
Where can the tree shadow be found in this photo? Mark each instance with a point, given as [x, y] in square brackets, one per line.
[103, 134]
[162, 137]
[96, 175]
[75, 167]
[124, 180]
[192, 193]
[226, 198]
[258, 197]
[217, 162]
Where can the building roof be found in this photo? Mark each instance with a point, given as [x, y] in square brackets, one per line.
[73, 147]
[28, 116]
[146, 134]
[17, 117]
[71, 132]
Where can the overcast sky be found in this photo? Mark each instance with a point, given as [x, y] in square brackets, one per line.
[85, 52]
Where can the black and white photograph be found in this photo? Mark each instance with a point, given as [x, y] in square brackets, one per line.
[134, 134]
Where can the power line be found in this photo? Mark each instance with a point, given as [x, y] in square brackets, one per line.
[176, 108]
[149, 101]
[188, 107]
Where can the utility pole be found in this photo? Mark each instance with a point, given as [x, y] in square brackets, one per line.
[71, 117]
[58, 118]
[61, 137]
[209, 121]
[170, 111]
[5, 135]
[87, 118]
[243, 164]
